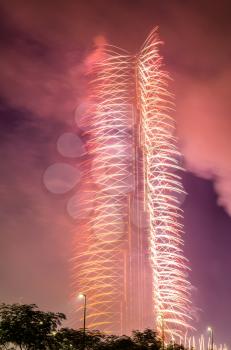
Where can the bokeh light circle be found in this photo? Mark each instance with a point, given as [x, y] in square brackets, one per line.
[60, 178]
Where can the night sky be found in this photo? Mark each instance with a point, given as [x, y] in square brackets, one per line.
[44, 45]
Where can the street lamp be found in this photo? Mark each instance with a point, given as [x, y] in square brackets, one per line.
[84, 297]
[173, 343]
[210, 330]
[161, 318]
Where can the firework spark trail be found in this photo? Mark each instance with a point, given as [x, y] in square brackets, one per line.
[171, 290]
[201, 343]
[100, 268]
[124, 84]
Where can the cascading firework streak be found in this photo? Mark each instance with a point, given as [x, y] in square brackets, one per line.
[134, 232]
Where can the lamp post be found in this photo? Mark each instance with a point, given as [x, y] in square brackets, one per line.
[83, 296]
[210, 330]
[173, 343]
[161, 318]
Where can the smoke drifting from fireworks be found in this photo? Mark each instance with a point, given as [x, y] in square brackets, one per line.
[42, 47]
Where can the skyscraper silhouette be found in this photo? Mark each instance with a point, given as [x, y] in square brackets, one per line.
[129, 260]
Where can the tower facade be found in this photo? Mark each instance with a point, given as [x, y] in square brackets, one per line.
[129, 260]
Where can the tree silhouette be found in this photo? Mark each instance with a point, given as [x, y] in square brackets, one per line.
[27, 327]
[67, 338]
[146, 340]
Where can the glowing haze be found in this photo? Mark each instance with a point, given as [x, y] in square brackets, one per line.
[43, 46]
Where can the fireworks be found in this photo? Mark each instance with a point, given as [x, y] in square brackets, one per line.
[200, 343]
[132, 172]
[171, 290]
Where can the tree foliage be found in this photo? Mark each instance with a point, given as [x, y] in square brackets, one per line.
[25, 327]
[67, 338]
[146, 340]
